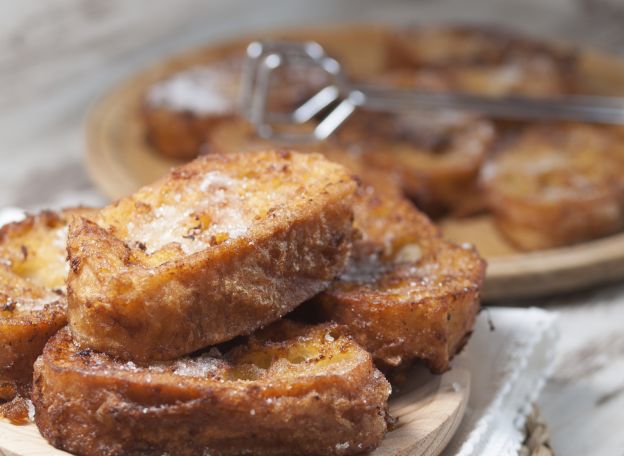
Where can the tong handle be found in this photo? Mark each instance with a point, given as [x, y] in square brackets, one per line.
[340, 98]
[579, 108]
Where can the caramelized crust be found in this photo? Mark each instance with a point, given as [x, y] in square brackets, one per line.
[558, 184]
[181, 112]
[485, 60]
[434, 157]
[33, 268]
[290, 390]
[216, 249]
[240, 136]
[407, 294]
[177, 135]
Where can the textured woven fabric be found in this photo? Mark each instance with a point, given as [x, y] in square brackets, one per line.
[510, 357]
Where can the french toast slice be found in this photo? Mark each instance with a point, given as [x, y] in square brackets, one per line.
[487, 60]
[407, 294]
[33, 269]
[240, 136]
[436, 157]
[290, 390]
[216, 249]
[181, 112]
[558, 184]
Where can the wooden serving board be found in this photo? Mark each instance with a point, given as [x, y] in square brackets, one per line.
[120, 161]
[429, 409]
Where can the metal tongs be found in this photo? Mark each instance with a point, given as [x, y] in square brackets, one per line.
[330, 106]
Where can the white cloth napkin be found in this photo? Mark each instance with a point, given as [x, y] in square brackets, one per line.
[510, 357]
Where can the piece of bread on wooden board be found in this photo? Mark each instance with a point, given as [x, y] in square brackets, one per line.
[33, 268]
[558, 184]
[407, 293]
[181, 111]
[289, 390]
[216, 249]
[487, 60]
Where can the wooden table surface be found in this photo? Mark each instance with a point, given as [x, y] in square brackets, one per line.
[58, 56]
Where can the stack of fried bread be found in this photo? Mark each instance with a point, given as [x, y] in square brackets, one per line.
[443, 161]
[179, 299]
[33, 300]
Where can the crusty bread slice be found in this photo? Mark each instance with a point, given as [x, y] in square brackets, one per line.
[289, 390]
[240, 136]
[181, 111]
[486, 60]
[33, 269]
[558, 184]
[216, 249]
[435, 157]
[407, 294]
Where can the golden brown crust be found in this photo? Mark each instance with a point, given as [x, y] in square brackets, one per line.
[291, 390]
[436, 162]
[181, 112]
[240, 136]
[218, 248]
[487, 60]
[17, 410]
[436, 156]
[446, 281]
[32, 293]
[408, 294]
[558, 184]
[178, 135]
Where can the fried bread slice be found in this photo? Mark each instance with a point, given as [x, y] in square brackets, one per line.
[487, 60]
[240, 136]
[33, 269]
[435, 157]
[558, 184]
[216, 249]
[407, 294]
[290, 390]
[180, 112]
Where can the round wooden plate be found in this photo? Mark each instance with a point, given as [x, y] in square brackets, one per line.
[120, 161]
[429, 409]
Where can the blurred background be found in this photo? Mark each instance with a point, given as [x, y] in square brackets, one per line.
[57, 57]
